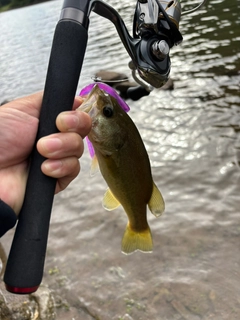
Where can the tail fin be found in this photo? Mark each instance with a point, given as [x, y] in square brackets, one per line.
[133, 241]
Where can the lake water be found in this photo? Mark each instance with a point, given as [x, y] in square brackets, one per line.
[192, 135]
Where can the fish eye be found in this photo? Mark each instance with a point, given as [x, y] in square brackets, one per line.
[108, 111]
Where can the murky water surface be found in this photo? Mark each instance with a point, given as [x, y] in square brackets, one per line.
[192, 135]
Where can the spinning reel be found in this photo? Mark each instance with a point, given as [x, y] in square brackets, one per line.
[155, 32]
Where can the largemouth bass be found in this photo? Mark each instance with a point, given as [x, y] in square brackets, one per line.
[125, 166]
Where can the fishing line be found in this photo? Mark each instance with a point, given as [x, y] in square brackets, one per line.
[100, 79]
[194, 9]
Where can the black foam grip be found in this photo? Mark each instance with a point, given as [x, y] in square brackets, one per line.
[135, 93]
[26, 259]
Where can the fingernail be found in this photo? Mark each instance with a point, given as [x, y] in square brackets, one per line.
[52, 144]
[52, 165]
[70, 121]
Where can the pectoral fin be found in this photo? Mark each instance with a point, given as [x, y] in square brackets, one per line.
[109, 201]
[94, 166]
[156, 203]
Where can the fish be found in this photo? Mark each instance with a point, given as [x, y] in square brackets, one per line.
[124, 164]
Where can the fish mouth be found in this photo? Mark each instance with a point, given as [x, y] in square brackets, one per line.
[92, 111]
[86, 106]
[90, 102]
[90, 107]
[107, 89]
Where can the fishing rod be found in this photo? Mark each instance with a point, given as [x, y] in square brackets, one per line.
[155, 32]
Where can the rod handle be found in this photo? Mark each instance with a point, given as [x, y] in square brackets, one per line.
[25, 264]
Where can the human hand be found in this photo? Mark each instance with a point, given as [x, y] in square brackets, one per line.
[18, 129]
